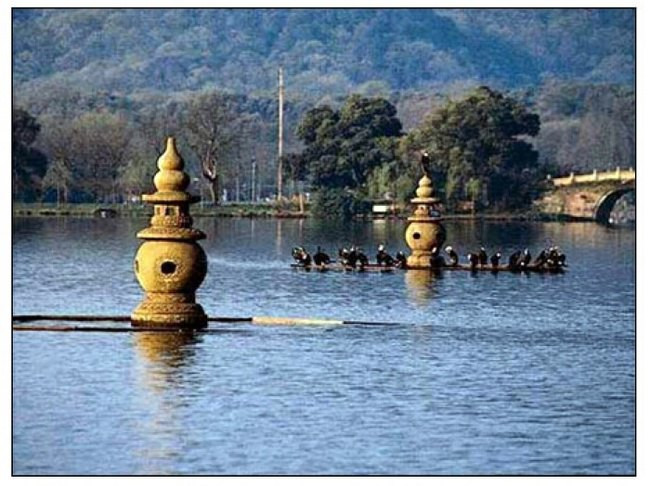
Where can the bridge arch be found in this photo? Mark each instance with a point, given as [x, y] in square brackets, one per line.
[607, 201]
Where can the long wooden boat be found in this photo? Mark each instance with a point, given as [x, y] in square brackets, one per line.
[373, 267]
[338, 267]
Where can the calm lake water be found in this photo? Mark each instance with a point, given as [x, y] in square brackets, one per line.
[483, 374]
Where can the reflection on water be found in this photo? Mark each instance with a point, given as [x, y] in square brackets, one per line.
[512, 373]
[421, 285]
[162, 378]
[171, 349]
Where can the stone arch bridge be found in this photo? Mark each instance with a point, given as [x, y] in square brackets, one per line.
[587, 196]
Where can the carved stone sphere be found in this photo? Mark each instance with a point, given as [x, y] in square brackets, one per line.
[424, 236]
[170, 266]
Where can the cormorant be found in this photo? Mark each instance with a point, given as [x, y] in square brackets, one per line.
[424, 163]
[400, 260]
[494, 260]
[347, 259]
[556, 258]
[383, 258]
[321, 258]
[301, 256]
[541, 258]
[482, 257]
[513, 261]
[361, 258]
[473, 260]
[436, 259]
[453, 256]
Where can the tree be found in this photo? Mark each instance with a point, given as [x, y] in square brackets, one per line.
[28, 163]
[212, 133]
[343, 148]
[586, 127]
[101, 146]
[156, 121]
[56, 141]
[294, 168]
[58, 177]
[136, 176]
[478, 144]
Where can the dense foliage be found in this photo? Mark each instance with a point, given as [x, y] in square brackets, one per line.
[324, 51]
[28, 163]
[97, 91]
[343, 147]
[478, 151]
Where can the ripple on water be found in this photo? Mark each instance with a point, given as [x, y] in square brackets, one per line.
[485, 374]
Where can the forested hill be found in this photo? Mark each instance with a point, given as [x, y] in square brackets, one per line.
[324, 52]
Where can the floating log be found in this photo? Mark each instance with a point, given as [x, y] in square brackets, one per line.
[292, 321]
[256, 320]
[119, 329]
[87, 318]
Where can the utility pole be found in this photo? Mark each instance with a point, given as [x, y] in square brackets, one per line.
[253, 169]
[280, 127]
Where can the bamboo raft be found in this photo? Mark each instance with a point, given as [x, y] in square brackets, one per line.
[374, 267]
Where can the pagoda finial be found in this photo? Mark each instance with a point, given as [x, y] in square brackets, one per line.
[170, 177]
[425, 188]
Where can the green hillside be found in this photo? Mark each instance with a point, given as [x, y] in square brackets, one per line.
[324, 52]
[95, 91]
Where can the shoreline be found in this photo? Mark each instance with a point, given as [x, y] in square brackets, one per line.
[91, 210]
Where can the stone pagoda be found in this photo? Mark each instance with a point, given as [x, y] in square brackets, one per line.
[425, 230]
[170, 265]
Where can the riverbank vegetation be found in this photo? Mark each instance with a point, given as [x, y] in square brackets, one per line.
[495, 103]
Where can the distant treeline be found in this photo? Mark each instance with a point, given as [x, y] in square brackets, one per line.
[76, 146]
[325, 51]
[96, 91]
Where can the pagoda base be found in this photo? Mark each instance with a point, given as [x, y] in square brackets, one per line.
[419, 259]
[169, 310]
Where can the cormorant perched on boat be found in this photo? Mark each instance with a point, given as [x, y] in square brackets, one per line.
[541, 258]
[301, 256]
[383, 258]
[453, 256]
[525, 260]
[321, 258]
[513, 261]
[482, 257]
[437, 260]
[494, 260]
[556, 258]
[473, 260]
[361, 258]
[346, 258]
[400, 260]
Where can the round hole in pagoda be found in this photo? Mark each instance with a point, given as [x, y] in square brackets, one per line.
[167, 268]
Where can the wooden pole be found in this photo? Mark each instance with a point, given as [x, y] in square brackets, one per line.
[280, 129]
[253, 177]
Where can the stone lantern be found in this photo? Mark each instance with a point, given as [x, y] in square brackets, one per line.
[170, 265]
[425, 230]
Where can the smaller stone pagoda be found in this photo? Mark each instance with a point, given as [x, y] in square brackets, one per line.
[425, 230]
[170, 265]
